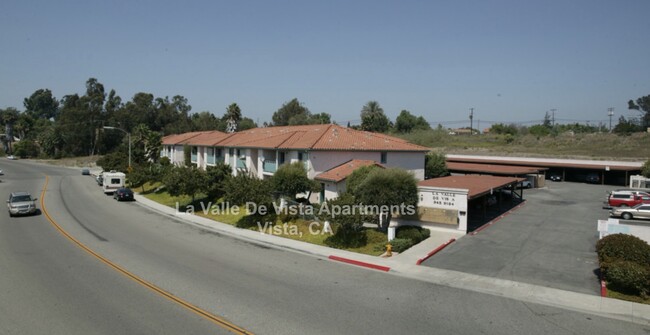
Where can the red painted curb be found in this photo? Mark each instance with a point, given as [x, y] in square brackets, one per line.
[603, 289]
[364, 264]
[497, 219]
[435, 251]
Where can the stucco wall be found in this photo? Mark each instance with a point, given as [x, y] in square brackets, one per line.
[440, 204]
[321, 161]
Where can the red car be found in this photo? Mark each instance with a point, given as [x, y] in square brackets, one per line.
[627, 199]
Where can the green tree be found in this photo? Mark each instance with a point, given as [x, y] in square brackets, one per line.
[503, 129]
[320, 118]
[625, 127]
[243, 188]
[407, 122]
[207, 121]
[292, 109]
[51, 141]
[645, 169]
[26, 148]
[114, 161]
[642, 105]
[350, 232]
[539, 130]
[435, 165]
[291, 179]
[246, 123]
[187, 155]
[386, 188]
[185, 180]
[233, 114]
[373, 118]
[41, 105]
[357, 177]
[216, 177]
[139, 175]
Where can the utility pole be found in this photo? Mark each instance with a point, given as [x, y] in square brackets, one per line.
[553, 117]
[471, 121]
[610, 113]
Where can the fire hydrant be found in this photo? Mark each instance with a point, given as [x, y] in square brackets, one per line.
[389, 250]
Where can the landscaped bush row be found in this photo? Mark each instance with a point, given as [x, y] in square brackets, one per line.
[625, 263]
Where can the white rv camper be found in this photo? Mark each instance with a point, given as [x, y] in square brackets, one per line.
[112, 181]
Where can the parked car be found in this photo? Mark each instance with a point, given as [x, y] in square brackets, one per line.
[593, 178]
[525, 184]
[21, 203]
[1, 173]
[641, 211]
[627, 199]
[123, 193]
[85, 172]
[11, 157]
[555, 177]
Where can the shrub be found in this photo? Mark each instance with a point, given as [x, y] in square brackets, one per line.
[623, 247]
[344, 237]
[26, 148]
[401, 244]
[628, 277]
[415, 234]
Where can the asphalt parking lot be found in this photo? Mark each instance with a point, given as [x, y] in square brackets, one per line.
[549, 241]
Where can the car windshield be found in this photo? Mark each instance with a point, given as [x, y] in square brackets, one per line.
[21, 198]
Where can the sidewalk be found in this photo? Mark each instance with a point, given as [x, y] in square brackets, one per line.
[405, 265]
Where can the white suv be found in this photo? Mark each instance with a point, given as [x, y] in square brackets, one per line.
[21, 203]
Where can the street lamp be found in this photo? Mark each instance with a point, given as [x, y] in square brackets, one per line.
[127, 134]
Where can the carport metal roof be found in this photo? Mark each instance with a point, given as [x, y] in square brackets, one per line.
[477, 185]
[549, 162]
[506, 170]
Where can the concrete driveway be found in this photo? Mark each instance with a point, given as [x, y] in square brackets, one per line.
[549, 241]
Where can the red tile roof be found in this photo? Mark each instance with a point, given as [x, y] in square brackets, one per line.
[179, 138]
[339, 173]
[314, 137]
[475, 184]
[507, 170]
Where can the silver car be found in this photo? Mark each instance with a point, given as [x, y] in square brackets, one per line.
[21, 203]
[641, 211]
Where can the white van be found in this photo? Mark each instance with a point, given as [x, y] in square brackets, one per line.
[112, 181]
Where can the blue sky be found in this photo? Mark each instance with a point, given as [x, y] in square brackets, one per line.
[510, 60]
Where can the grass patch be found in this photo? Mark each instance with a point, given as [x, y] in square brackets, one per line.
[622, 296]
[296, 229]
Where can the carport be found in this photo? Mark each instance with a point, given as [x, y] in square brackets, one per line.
[536, 175]
[607, 172]
[451, 200]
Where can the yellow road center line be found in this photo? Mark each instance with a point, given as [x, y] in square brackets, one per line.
[207, 315]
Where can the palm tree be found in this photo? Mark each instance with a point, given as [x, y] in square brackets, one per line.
[373, 118]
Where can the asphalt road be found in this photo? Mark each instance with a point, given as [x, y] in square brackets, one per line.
[48, 285]
[550, 241]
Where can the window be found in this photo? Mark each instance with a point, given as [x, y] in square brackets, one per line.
[300, 154]
[281, 157]
[231, 151]
[384, 157]
[217, 152]
[194, 153]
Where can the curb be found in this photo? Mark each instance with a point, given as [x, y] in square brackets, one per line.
[497, 219]
[435, 251]
[358, 263]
